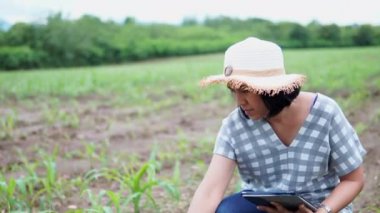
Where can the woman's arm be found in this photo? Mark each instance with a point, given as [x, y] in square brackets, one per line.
[213, 186]
[349, 187]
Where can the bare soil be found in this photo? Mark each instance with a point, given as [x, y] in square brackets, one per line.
[130, 131]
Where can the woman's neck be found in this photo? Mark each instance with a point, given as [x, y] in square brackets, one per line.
[295, 110]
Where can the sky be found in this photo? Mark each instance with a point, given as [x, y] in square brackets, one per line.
[341, 12]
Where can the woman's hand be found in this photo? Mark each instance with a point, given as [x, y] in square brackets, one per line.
[278, 208]
[303, 209]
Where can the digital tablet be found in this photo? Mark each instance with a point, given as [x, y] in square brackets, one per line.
[289, 201]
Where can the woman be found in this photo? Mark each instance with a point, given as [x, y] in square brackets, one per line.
[281, 139]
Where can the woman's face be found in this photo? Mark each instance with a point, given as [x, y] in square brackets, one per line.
[251, 103]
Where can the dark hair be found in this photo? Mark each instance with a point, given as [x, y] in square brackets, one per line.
[278, 102]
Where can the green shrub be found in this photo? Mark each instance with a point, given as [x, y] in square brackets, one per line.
[22, 57]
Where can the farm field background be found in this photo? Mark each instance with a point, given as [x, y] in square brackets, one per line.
[138, 137]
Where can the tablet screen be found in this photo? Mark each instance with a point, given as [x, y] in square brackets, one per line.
[290, 202]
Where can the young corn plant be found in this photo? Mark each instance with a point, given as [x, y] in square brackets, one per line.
[25, 185]
[7, 125]
[26, 189]
[172, 185]
[97, 152]
[138, 187]
[54, 115]
[70, 119]
[96, 204]
[115, 199]
[78, 185]
[8, 199]
[50, 186]
[11, 195]
[138, 184]
[16, 194]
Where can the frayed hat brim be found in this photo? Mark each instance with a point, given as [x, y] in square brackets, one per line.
[260, 85]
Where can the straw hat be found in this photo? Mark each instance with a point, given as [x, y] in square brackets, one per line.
[259, 65]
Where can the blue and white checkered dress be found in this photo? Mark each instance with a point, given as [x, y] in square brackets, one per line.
[325, 148]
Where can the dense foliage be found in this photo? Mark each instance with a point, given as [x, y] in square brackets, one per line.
[90, 41]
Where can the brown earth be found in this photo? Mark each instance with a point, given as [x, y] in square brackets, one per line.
[130, 132]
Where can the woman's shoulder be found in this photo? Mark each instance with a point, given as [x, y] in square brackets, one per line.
[323, 98]
[326, 104]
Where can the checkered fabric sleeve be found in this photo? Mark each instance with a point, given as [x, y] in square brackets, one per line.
[346, 150]
[223, 144]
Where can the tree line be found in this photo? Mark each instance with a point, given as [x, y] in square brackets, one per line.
[90, 41]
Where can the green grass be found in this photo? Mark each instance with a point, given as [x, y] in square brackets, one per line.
[347, 69]
[137, 82]
[344, 71]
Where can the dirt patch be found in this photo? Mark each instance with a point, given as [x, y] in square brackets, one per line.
[369, 115]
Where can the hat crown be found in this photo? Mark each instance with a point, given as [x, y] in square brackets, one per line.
[259, 66]
[255, 55]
